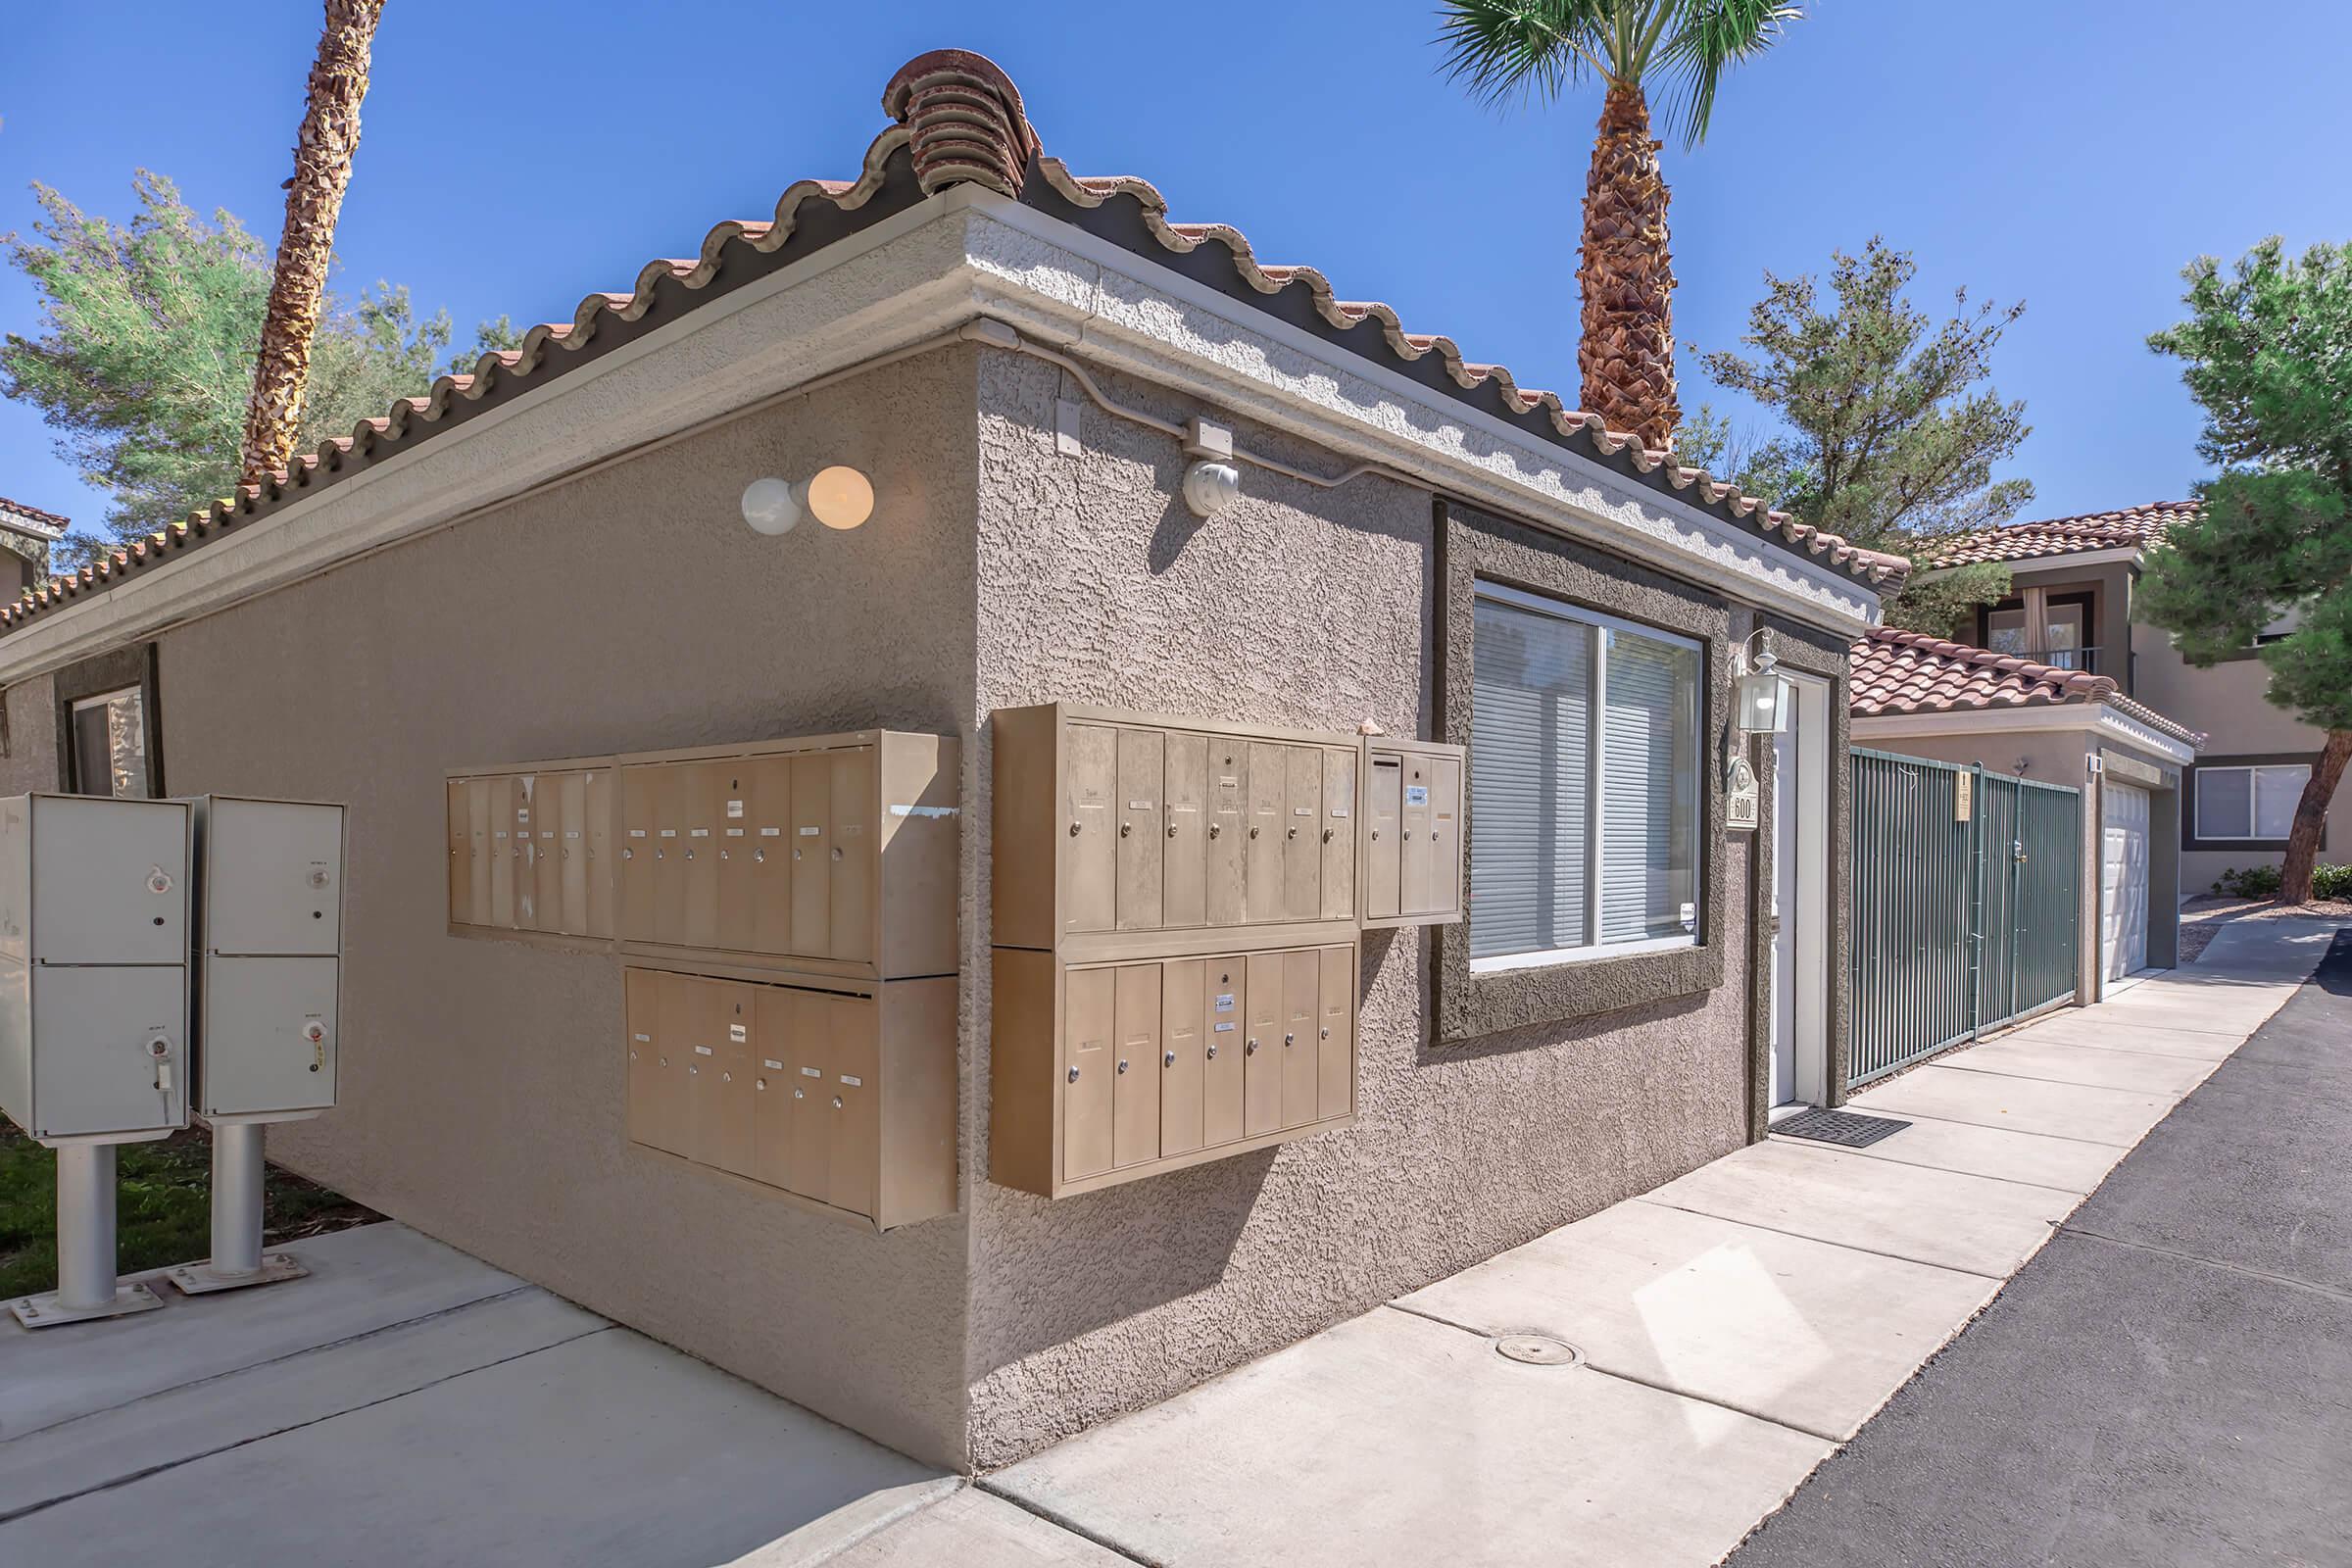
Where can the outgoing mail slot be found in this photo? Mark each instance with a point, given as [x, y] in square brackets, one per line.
[1269, 791]
[1184, 836]
[1182, 998]
[1413, 833]
[1142, 762]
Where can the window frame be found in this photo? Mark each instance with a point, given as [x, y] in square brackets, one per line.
[110, 675]
[2191, 835]
[1595, 826]
[2253, 833]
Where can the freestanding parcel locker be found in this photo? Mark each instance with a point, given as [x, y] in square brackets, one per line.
[93, 1012]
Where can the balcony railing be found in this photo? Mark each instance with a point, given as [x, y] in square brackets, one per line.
[2085, 659]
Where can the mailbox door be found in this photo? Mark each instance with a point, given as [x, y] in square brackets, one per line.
[703, 787]
[1302, 835]
[1141, 761]
[1184, 885]
[1339, 835]
[1088, 863]
[547, 850]
[1224, 1056]
[776, 1027]
[571, 853]
[640, 840]
[1269, 804]
[666, 1125]
[855, 1102]
[738, 922]
[812, 1118]
[1135, 1085]
[811, 856]
[1383, 836]
[523, 849]
[1089, 1024]
[94, 1071]
[1334, 1037]
[1261, 1077]
[1182, 1000]
[853, 835]
[735, 1037]
[477, 847]
[648, 1080]
[669, 852]
[596, 817]
[1301, 980]
[1443, 895]
[461, 857]
[1412, 896]
[1228, 845]
[259, 1017]
[705, 1097]
[769, 814]
[504, 792]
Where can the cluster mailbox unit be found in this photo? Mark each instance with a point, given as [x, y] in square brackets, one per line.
[1177, 906]
[785, 913]
[94, 1047]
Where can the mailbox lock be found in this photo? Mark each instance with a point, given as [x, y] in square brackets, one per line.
[1376, 834]
[1122, 1064]
[1291, 834]
[1251, 1049]
[759, 1084]
[158, 880]
[1325, 1035]
[627, 853]
[1289, 1039]
[1327, 835]
[1214, 829]
[837, 851]
[1074, 829]
[799, 1094]
[836, 1102]
[1073, 1075]
[1254, 832]
[760, 855]
[1171, 830]
[1126, 828]
[317, 877]
[1169, 1060]
[1212, 1050]
[1408, 834]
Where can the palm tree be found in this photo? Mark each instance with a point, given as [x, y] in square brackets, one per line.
[331, 134]
[1512, 49]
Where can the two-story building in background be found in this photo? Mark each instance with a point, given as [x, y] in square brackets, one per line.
[2070, 607]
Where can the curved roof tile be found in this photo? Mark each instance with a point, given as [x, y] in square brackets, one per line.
[1904, 672]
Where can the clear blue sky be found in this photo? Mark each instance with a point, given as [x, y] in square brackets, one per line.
[516, 156]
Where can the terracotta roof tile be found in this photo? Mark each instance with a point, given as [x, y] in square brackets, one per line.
[957, 120]
[2128, 527]
[1904, 672]
[35, 514]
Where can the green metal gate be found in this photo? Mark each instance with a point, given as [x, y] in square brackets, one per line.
[1961, 919]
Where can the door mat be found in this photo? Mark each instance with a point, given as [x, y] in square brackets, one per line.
[1840, 1127]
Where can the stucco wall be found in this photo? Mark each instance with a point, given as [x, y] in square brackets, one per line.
[2227, 702]
[481, 1090]
[31, 762]
[1296, 607]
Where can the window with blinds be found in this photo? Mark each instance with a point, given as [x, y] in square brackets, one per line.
[2249, 803]
[1584, 785]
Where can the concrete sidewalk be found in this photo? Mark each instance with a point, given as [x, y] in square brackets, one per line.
[1735, 1326]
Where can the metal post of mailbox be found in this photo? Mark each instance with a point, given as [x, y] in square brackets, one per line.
[86, 1284]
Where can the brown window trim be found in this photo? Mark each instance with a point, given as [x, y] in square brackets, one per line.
[135, 665]
[1474, 547]
[2188, 802]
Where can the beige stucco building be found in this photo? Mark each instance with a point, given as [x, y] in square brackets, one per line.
[549, 560]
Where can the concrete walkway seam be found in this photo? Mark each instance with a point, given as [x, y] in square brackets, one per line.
[1061, 1522]
[274, 1361]
[47, 1504]
[1899, 1258]
[1862, 1109]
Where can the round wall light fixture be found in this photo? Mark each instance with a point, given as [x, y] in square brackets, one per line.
[1209, 486]
[839, 497]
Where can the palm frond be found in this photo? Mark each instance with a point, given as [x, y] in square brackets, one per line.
[1709, 36]
[1510, 50]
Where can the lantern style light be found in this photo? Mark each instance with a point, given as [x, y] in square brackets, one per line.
[1763, 699]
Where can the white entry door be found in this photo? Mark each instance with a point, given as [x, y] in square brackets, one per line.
[1801, 863]
[2123, 880]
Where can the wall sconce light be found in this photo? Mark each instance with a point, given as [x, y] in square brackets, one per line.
[1763, 698]
[1210, 480]
[839, 497]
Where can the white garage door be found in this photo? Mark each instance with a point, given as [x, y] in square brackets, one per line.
[2124, 881]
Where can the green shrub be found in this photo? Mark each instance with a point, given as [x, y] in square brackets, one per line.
[2262, 882]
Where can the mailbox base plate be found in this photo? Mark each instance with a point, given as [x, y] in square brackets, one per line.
[45, 1310]
[198, 1279]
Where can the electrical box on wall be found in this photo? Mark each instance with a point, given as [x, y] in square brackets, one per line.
[844, 1098]
[94, 929]
[268, 947]
[1411, 831]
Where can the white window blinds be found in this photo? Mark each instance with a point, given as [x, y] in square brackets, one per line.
[1648, 737]
[1531, 785]
[1584, 783]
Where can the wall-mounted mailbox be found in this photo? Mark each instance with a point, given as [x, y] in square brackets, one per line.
[845, 1099]
[1106, 1073]
[835, 853]
[94, 926]
[268, 944]
[530, 848]
[1116, 832]
[1411, 831]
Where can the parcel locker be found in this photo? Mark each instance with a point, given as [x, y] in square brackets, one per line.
[845, 1099]
[273, 876]
[1106, 1073]
[1412, 833]
[268, 1035]
[94, 932]
[1114, 830]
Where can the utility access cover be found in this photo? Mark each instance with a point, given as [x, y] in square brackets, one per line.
[1840, 1127]
[1537, 1350]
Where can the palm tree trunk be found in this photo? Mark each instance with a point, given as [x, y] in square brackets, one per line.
[331, 134]
[2311, 815]
[1627, 276]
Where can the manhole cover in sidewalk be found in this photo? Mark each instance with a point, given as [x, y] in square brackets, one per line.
[1842, 1127]
[1537, 1350]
